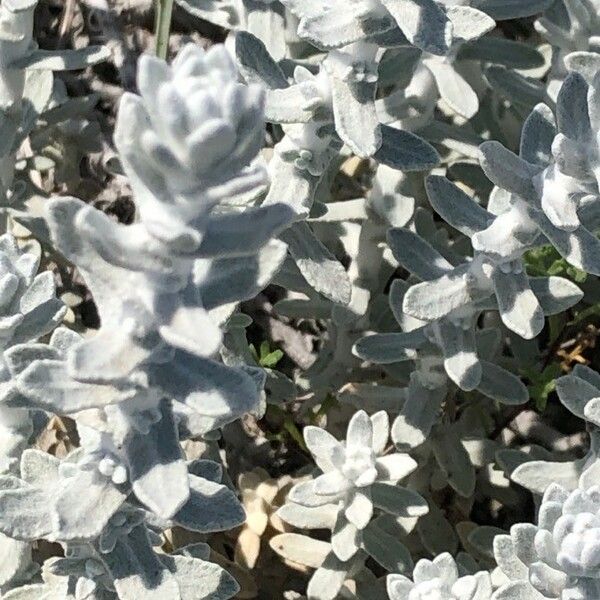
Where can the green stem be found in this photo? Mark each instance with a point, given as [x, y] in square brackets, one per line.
[162, 26]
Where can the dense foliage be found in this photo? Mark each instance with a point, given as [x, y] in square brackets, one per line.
[411, 185]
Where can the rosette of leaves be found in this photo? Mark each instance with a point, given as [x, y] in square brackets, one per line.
[550, 191]
[180, 243]
[160, 282]
[108, 543]
[440, 578]
[130, 436]
[485, 281]
[573, 29]
[358, 482]
[450, 349]
[557, 558]
[451, 340]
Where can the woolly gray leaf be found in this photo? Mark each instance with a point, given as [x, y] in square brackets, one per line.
[435, 299]
[575, 392]
[579, 247]
[245, 233]
[63, 60]
[82, 505]
[306, 517]
[211, 507]
[320, 268]
[501, 385]
[301, 549]
[288, 105]
[460, 354]
[386, 550]
[518, 305]
[511, 9]
[256, 63]
[416, 255]
[355, 116]
[206, 469]
[555, 294]
[398, 501]
[506, 170]
[455, 207]
[572, 114]
[454, 461]
[521, 91]
[537, 136]
[47, 385]
[216, 583]
[423, 22]
[454, 88]
[15, 555]
[25, 513]
[228, 280]
[137, 570]
[405, 151]
[587, 64]
[206, 386]
[501, 51]
[388, 348]
[157, 470]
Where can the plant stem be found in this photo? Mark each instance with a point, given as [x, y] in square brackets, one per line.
[162, 26]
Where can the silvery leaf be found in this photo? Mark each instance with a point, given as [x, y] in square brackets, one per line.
[244, 233]
[301, 549]
[63, 60]
[423, 22]
[511, 9]
[155, 463]
[320, 268]
[256, 63]
[416, 255]
[435, 299]
[455, 207]
[328, 579]
[453, 88]
[501, 51]
[506, 170]
[398, 501]
[387, 348]
[501, 385]
[537, 136]
[555, 294]
[384, 548]
[454, 462]
[137, 570]
[211, 507]
[518, 305]
[572, 113]
[355, 117]
[522, 91]
[216, 582]
[587, 64]
[237, 279]
[405, 151]
[460, 354]
[82, 505]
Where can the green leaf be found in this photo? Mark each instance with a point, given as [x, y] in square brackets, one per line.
[542, 384]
